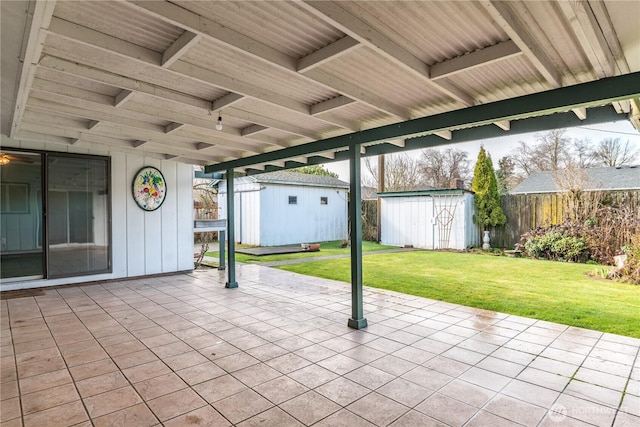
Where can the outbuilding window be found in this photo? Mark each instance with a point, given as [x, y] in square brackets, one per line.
[324, 200]
[293, 200]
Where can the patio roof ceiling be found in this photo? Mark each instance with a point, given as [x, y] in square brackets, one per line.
[152, 77]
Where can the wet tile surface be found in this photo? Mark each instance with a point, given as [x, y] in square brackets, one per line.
[183, 350]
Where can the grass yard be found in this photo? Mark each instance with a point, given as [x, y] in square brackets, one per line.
[545, 290]
[326, 248]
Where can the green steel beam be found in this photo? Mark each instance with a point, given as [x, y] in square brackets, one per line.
[596, 115]
[598, 92]
[357, 320]
[231, 242]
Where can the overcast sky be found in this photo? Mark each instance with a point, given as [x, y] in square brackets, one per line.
[499, 147]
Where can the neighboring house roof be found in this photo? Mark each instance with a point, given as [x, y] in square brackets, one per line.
[296, 178]
[613, 178]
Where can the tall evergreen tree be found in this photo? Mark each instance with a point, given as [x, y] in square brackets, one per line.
[487, 199]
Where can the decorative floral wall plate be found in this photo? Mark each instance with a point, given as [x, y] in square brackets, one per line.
[149, 188]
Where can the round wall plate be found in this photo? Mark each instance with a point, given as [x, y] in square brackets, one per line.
[149, 188]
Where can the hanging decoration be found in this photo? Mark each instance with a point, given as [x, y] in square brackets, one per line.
[149, 188]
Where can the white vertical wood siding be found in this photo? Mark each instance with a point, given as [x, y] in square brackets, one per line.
[265, 217]
[415, 221]
[142, 242]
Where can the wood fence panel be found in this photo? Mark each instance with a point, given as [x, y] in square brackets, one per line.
[528, 211]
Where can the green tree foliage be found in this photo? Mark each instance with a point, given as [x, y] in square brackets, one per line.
[487, 199]
[315, 170]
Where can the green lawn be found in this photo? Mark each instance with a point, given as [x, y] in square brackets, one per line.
[326, 248]
[553, 291]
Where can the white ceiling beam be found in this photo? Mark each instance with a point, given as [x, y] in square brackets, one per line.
[122, 97]
[226, 101]
[74, 141]
[178, 48]
[172, 127]
[328, 155]
[331, 104]
[334, 14]
[371, 99]
[504, 125]
[272, 123]
[140, 55]
[589, 35]
[170, 156]
[39, 17]
[93, 124]
[138, 144]
[252, 130]
[519, 32]
[475, 59]
[581, 113]
[327, 53]
[445, 134]
[220, 34]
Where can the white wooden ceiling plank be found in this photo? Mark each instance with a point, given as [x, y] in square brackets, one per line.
[226, 101]
[40, 14]
[253, 129]
[334, 14]
[327, 53]
[172, 127]
[475, 59]
[122, 97]
[331, 104]
[445, 134]
[518, 31]
[504, 125]
[220, 34]
[178, 48]
[93, 124]
[590, 37]
[351, 91]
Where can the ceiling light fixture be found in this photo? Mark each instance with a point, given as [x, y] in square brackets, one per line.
[219, 123]
[4, 159]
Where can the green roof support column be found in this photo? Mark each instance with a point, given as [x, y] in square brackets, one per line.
[357, 320]
[231, 235]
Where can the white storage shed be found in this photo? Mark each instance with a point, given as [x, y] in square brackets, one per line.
[433, 219]
[282, 208]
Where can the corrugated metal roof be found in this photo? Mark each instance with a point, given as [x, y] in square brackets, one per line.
[297, 178]
[304, 70]
[593, 179]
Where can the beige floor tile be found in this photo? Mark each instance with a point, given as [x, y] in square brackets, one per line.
[10, 409]
[9, 389]
[446, 409]
[242, 406]
[64, 415]
[281, 389]
[184, 360]
[414, 419]
[516, 410]
[145, 371]
[93, 369]
[370, 377]
[274, 417]
[111, 401]
[42, 367]
[219, 388]
[236, 362]
[484, 418]
[48, 398]
[177, 403]
[313, 376]
[288, 363]
[159, 386]
[138, 415]
[101, 383]
[310, 407]
[136, 358]
[468, 393]
[342, 391]
[344, 418]
[405, 392]
[378, 409]
[202, 417]
[200, 373]
[427, 378]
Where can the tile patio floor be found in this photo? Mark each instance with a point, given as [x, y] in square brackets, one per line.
[182, 351]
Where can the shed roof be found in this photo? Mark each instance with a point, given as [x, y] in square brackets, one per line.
[297, 178]
[428, 193]
[612, 178]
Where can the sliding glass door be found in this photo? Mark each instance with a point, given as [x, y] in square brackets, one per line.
[55, 215]
[21, 226]
[77, 215]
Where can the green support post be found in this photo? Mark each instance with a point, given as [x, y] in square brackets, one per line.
[221, 241]
[357, 320]
[231, 238]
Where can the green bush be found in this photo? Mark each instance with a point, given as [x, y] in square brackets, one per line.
[631, 269]
[555, 246]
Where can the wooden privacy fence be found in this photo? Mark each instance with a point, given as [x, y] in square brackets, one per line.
[528, 211]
